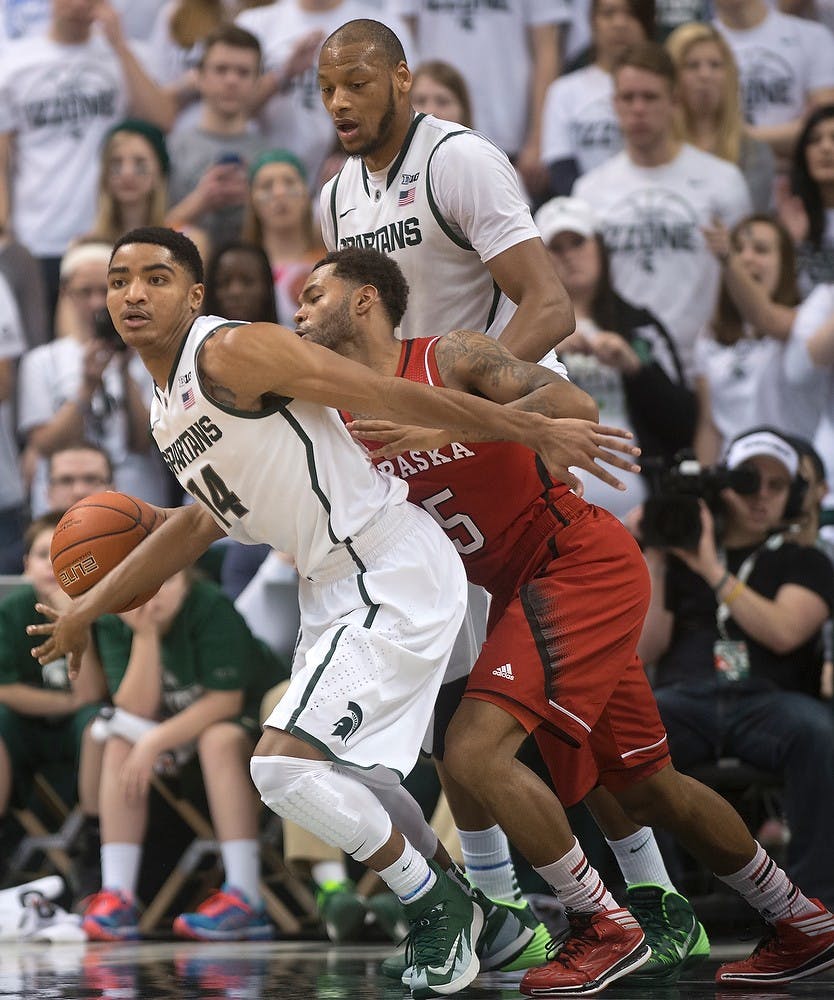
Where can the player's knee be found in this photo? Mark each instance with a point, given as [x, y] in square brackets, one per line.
[275, 777]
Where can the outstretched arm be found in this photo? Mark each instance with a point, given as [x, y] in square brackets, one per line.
[240, 365]
[480, 365]
[182, 539]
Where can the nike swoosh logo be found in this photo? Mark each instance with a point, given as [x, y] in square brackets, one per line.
[450, 961]
[634, 850]
[343, 214]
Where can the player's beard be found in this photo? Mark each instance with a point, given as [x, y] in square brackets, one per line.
[332, 331]
[383, 131]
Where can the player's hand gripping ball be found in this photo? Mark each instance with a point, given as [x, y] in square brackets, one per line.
[95, 535]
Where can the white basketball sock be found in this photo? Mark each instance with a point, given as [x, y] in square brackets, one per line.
[242, 867]
[640, 860]
[410, 876]
[486, 857]
[764, 885]
[120, 867]
[576, 883]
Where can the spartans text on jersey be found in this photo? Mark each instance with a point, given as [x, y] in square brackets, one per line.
[196, 439]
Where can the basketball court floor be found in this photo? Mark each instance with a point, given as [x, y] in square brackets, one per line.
[288, 971]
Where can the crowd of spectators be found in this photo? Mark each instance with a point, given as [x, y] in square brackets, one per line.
[680, 163]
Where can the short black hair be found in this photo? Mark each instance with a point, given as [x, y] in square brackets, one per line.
[365, 266]
[267, 308]
[182, 250]
[371, 34]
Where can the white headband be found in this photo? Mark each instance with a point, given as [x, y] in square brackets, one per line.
[763, 443]
[84, 253]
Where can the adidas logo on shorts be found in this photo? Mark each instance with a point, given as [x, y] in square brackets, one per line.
[506, 672]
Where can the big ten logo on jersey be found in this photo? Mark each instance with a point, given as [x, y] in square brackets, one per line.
[651, 224]
[422, 460]
[393, 236]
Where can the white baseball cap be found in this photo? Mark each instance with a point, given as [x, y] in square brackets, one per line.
[763, 443]
[566, 215]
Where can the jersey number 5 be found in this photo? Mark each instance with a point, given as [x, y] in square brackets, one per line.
[459, 527]
[220, 498]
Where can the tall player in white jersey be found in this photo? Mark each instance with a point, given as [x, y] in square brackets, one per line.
[445, 203]
[441, 199]
[240, 417]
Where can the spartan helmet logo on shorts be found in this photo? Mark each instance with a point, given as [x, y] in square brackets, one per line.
[348, 724]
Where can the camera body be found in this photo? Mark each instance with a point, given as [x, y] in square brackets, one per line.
[106, 332]
[672, 515]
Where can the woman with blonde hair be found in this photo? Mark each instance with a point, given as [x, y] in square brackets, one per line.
[279, 219]
[709, 113]
[133, 183]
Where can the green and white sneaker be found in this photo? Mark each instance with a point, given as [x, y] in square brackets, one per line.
[673, 931]
[539, 947]
[504, 936]
[342, 912]
[445, 925]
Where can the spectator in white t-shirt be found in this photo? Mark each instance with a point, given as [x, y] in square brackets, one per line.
[655, 196]
[740, 380]
[508, 54]
[59, 94]
[709, 115]
[786, 65]
[579, 125]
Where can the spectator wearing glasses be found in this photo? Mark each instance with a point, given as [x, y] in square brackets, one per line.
[85, 385]
[76, 472]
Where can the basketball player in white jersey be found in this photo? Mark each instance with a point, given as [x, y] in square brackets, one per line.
[445, 203]
[240, 417]
[441, 199]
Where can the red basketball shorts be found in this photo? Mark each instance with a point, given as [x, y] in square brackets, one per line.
[561, 656]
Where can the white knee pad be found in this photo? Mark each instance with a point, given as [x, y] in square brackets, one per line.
[408, 818]
[335, 807]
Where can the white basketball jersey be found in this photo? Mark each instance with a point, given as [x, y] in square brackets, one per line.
[289, 476]
[443, 261]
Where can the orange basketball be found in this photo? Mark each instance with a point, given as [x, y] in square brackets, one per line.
[95, 535]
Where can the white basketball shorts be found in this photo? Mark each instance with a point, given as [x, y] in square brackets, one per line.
[377, 629]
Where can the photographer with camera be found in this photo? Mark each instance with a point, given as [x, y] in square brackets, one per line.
[86, 385]
[734, 632]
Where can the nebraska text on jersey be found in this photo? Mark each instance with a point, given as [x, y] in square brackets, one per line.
[422, 460]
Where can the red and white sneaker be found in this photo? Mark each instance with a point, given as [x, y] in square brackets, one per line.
[601, 948]
[792, 949]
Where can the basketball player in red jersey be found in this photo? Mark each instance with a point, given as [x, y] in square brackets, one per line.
[570, 590]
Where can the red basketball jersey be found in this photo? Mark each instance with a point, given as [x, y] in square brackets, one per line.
[487, 496]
